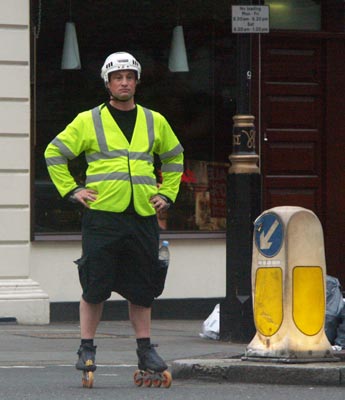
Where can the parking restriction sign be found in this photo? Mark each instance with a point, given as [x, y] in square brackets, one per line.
[250, 19]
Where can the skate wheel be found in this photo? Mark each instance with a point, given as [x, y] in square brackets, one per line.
[156, 382]
[166, 379]
[88, 379]
[138, 378]
[147, 379]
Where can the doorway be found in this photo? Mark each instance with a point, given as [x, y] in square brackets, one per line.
[302, 138]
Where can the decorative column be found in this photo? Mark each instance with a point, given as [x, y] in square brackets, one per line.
[20, 297]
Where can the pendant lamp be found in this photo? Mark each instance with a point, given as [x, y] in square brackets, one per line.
[178, 56]
[70, 52]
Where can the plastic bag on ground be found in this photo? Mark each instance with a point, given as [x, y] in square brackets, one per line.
[335, 312]
[334, 299]
[210, 327]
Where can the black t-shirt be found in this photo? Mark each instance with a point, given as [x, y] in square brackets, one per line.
[126, 122]
[124, 119]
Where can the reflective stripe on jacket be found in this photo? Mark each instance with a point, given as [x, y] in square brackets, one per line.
[118, 169]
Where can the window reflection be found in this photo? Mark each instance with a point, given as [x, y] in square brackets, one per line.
[295, 14]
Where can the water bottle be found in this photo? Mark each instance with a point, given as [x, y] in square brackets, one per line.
[164, 255]
[161, 273]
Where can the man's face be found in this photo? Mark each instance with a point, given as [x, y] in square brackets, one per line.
[122, 85]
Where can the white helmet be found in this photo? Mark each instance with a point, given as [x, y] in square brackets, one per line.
[119, 61]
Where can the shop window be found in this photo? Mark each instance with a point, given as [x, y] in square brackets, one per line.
[295, 14]
[198, 104]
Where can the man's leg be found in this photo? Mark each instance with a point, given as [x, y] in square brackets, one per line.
[140, 318]
[90, 315]
[148, 359]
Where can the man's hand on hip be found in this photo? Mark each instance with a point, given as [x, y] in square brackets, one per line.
[84, 196]
[159, 204]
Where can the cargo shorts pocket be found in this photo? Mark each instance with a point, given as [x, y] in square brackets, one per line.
[82, 271]
[159, 277]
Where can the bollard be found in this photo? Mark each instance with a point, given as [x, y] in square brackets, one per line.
[289, 288]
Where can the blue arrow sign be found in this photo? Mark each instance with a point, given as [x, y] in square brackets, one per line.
[268, 233]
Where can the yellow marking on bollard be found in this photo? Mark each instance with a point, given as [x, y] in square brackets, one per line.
[308, 299]
[268, 300]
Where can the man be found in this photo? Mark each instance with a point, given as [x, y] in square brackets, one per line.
[121, 197]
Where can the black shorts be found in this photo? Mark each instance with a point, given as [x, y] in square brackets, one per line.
[120, 253]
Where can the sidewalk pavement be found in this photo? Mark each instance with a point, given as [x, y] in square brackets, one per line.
[188, 355]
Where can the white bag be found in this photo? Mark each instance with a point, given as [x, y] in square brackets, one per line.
[210, 327]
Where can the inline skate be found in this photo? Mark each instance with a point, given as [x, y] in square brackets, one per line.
[86, 364]
[152, 370]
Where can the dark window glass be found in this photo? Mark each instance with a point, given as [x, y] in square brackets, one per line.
[198, 104]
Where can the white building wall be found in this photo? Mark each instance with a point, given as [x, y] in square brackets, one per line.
[20, 296]
[197, 269]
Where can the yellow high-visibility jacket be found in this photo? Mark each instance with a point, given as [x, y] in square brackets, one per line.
[117, 169]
